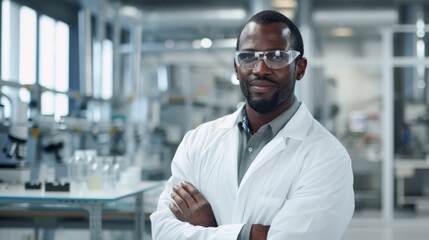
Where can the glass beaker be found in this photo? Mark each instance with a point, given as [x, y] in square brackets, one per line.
[95, 177]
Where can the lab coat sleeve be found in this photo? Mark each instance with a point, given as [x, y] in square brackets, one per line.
[321, 204]
[165, 225]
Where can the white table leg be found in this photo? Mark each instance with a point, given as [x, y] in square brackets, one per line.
[95, 220]
[139, 219]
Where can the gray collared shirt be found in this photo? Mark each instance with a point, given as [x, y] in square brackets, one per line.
[251, 144]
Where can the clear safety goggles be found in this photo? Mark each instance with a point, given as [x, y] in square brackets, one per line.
[275, 59]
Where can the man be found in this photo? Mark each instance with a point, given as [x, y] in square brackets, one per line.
[267, 171]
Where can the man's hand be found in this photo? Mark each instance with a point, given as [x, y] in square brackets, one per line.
[259, 232]
[192, 207]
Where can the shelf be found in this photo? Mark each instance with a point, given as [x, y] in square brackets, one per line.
[412, 163]
[412, 199]
[214, 103]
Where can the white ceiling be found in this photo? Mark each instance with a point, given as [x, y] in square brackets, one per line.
[186, 20]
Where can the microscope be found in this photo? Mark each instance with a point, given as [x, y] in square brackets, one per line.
[15, 146]
[18, 132]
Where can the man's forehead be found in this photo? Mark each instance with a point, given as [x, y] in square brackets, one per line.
[253, 27]
[272, 32]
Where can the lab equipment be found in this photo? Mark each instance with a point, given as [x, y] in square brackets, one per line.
[18, 131]
[15, 173]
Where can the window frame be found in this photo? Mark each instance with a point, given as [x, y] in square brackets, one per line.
[66, 13]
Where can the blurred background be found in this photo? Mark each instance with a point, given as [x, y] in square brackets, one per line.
[95, 91]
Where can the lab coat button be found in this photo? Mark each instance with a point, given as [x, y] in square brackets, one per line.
[250, 149]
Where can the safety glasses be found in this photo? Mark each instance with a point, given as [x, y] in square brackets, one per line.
[275, 59]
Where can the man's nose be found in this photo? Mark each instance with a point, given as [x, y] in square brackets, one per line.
[261, 67]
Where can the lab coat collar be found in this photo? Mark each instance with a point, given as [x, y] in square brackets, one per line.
[297, 127]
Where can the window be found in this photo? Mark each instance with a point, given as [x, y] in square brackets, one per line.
[19, 56]
[54, 65]
[103, 75]
[27, 49]
[5, 47]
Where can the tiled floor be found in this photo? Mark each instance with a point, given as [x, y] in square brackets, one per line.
[366, 226]
[407, 225]
[399, 229]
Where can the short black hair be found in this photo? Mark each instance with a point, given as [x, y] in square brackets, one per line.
[271, 16]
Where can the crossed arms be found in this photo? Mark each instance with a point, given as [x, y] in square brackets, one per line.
[191, 206]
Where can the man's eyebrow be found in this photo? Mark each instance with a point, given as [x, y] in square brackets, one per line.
[255, 50]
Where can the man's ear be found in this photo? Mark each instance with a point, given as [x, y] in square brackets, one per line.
[236, 70]
[301, 65]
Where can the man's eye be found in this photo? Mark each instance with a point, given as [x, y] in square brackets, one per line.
[277, 56]
[247, 56]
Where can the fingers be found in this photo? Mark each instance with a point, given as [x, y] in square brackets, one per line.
[190, 206]
[188, 193]
[193, 191]
[179, 206]
[176, 211]
[186, 197]
[182, 197]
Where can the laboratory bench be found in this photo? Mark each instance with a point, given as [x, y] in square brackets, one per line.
[122, 208]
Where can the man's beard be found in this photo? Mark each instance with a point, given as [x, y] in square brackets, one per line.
[267, 105]
[263, 105]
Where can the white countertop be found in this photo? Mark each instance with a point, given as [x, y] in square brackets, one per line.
[18, 193]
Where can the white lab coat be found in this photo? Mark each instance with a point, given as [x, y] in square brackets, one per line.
[301, 183]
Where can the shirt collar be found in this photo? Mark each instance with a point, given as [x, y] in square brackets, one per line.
[280, 121]
[276, 124]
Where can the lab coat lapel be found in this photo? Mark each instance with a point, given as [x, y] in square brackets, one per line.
[267, 153]
[296, 128]
[229, 147]
[275, 146]
[230, 152]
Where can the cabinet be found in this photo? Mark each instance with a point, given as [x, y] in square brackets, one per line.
[407, 191]
[411, 122]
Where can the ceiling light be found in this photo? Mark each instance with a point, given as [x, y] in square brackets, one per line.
[284, 3]
[206, 43]
[130, 11]
[420, 48]
[420, 24]
[342, 32]
[290, 13]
